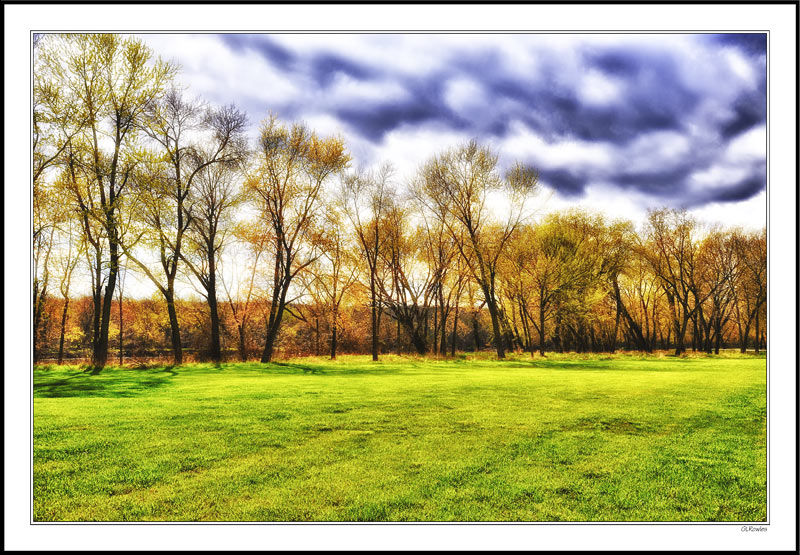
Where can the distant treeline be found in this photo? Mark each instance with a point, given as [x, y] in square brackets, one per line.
[295, 252]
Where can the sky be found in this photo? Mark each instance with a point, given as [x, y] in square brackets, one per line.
[617, 123]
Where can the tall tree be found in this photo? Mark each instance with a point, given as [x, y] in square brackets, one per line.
[366, 197]
[719, 269]
[44, 233]
[292, 165]
[331, 277]
[193, 147]
[410, 288]
[213, 200]
[457, 185]
[241, 281]
[113, 79]
[751, 287]
[671, 251]
[69, 256]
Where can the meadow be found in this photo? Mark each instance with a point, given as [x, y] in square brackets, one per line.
[563, 438]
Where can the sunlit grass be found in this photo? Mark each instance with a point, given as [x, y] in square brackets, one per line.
[576, 438]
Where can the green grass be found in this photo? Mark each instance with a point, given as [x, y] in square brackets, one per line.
[568, 438]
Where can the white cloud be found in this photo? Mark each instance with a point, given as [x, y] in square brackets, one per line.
[718, 176]
[464, 95]
[598, 89]
[346, 90]
[740, 67]
[523, 144]
[749, 146]
[657, 150]
[750, 213]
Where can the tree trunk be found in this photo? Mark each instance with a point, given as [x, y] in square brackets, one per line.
[476, 331]
[266, 356]
[100, 357]
[454, 335]
[242, 347]
[435, 328]
[757, 337]
[633, 326]
[97, 295]
[175, 332]
[38, 303]
[279, 289]
[498, 335]
[333, 334]
[397, 341]
[613, 344]
[419, 343]
[121, 354]
[743, 338]
[442, 328]
[557, 340]
[63, 328]
[216, 350]
[541, 329]
[374, 304]
[316, 336]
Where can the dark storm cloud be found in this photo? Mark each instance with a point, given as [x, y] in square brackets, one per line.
[326, 66]
[425, 104]
[749, 110]
[658, 182]
[743, 190]
[263, 45]
[564, 181]
[374, 121]
[753, 44]
[658, 91]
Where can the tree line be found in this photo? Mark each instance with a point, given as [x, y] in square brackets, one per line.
[132, 174]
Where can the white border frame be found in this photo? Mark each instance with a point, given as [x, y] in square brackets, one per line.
[778, 19]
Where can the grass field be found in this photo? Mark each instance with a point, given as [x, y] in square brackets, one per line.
[566, 438]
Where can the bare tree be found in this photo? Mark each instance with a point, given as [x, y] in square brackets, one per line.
[292, 165]
[194, 145]
[330, 277]
[410, 289]
[457, 185]
[240, 282]
[214, 197]
[671, 251]
[366, 197]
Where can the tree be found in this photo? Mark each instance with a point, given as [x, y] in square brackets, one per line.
[719, 269]
[44, 228]
[194, 147]
[331, 276]
[120, 299]
[241, 287]
[439, 254]
[411, 285]
[113, 79]
[68, 260]
[214, 197]
[671, 251]
[457, 186]
[366, 197]
[292, 164]
[751, 287]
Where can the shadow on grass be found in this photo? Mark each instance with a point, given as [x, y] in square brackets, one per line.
[335, 369]
[609, 364]
[110, 383]
[295, 366]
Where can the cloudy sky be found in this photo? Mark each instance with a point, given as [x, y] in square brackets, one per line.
[614, 122]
